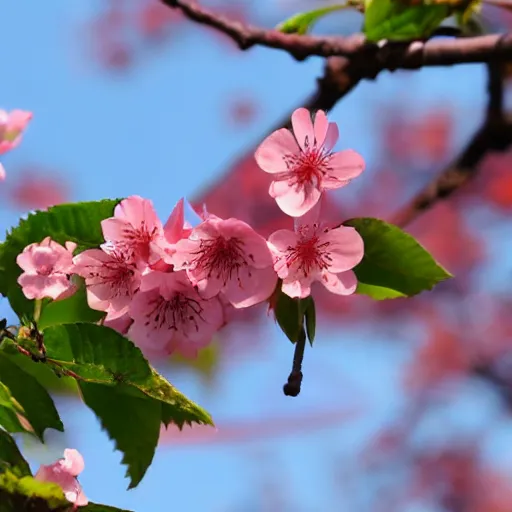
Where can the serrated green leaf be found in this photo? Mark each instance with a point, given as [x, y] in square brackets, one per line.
[93, 507]
[133, 423]
[29, 494]
[39, 408]
[394, 263]
[303, 22]
[310, 317]
[12, 415]
[10, 456]
[75, 222]
[398, 21]
[101, 355]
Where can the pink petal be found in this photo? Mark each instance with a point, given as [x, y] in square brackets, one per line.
[346, 248]
[252, 287]
[320, 127]
[340, 284]
[113, 229]
[297, 288]
[208, 287]
[331, 137]
[271, 152]
[343, 166]
[254, 245]
[303, 128]
[2, 173]
[296, 202]
[71, 246]
[173, 229]
[282, 239]
[309, 219]
[74, 462]
[25, 260]
[18, 120]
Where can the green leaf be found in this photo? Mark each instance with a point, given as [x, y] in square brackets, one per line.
[303, 22]
[93, 507]
[69, 311]
[12, 415]
[132, 422]
[100, 355]
[310, 316]
[10, 456]
[394, 263]
[39, 408]
[75, 222]
[29, 494]
[398, 21]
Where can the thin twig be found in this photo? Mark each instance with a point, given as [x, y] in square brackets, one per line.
[444, 52]
[495, 134]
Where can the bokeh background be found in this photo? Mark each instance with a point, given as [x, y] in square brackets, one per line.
[406, 405]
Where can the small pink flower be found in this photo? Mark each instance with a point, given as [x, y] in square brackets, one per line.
[174, 230]
[111, 278]
[170, 315]
[64, 473]
[11, 127]
[304, 166]
[228, 257]
[134, 228]
[314, 254]
[47, 267]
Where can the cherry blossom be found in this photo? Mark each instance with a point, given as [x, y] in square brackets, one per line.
[169, 315]
[305, 165]
[135, 228]
[228, 257]
[47, 267]
[111, 278]
[64, 473]
[11, 127]
[312, 253]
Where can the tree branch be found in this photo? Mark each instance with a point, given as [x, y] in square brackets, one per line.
[444, 52]
[495, 134]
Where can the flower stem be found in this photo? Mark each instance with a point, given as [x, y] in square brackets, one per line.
[37, 309]
[292, 387]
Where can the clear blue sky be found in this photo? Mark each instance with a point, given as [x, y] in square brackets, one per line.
[159, 131]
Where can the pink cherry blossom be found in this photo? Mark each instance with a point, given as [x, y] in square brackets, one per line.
[64, 473]
[305, 165]
[121, 324]
[228, 257]
[174, 230]
[135, 228]
[47, 267]
[169, 315]
[312, 253]
[111, 278]
[11, 127]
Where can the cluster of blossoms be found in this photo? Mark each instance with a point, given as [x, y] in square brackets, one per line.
[64, 473]
[169, 287]
[11, 128]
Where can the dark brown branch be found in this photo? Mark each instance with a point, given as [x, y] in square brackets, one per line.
[495, 134]
[390, 56]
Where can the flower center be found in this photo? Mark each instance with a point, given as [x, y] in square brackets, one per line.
[220, 257]
[45, 270]
[179, 313]
[307, 167]
[138, 240]
[308, 255]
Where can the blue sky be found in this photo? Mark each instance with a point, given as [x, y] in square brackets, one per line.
[159, 132]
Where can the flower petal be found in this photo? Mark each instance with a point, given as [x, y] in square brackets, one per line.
[252, 287]
[271, 152]
[295, 202]
[331, 137]
[346, 248]
[343, 166]
[320, 127]
[340, 284]
[303, 128]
